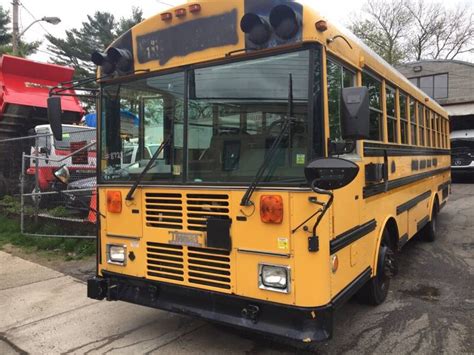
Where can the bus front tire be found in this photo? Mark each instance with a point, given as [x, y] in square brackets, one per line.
[431, 229]
[375, 291]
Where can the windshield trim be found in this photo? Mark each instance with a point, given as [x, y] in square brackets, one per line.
[312, 112]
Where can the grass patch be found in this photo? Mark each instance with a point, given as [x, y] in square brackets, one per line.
[68, 248]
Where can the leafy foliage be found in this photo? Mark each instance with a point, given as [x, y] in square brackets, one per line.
[24, 49]
[69, 249]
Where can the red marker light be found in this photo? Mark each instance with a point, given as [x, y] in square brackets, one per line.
[271, 209]
[180, 12]
[194, 8]
[166, 16]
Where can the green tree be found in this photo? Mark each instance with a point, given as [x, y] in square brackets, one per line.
[5, 34]
[96, 34]
[24, 48]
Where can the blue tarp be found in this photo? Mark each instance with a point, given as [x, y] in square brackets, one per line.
[91, 118]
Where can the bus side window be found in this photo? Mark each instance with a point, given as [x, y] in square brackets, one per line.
[338, 77]
[421, 124]
[403, 118]
[428, 114]
[414, 140]
[391, 114]
[375, 102]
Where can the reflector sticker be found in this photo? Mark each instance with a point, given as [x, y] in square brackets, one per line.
[300, 159]
[283, 243]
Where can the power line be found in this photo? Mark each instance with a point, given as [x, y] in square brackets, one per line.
[165, 3]
[39, 22]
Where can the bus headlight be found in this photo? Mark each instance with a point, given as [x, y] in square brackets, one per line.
[116, 254]
[274, 278]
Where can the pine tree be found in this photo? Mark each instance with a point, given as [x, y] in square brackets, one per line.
[97, 33]
[24, 49]
[5, 35]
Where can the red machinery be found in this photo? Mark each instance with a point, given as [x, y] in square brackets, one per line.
[24, 88]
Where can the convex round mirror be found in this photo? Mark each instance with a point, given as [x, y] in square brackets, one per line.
[331, 173]
[62, 174]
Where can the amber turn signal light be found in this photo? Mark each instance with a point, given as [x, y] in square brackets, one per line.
[271, 209]
[114, 201]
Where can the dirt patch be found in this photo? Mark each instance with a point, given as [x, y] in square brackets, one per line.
[81, 269]
[424, 292]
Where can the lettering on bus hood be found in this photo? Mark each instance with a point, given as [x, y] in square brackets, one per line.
[189, 37]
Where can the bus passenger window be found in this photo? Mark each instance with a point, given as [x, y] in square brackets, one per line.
[421, 124]
[403, 118]
[391, 115]
[414, 140]
[428, 127]
[338, 77]
[375, 102]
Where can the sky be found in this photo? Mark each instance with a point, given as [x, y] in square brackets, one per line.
[73, 13]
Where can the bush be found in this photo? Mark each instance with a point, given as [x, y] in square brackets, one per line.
[69, 248]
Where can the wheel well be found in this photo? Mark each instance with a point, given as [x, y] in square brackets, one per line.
[392, 228]
[435, 203]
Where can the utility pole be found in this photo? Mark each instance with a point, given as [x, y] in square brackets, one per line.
[16, 32]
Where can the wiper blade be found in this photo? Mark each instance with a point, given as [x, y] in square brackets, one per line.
[147, 167]
[287, 121]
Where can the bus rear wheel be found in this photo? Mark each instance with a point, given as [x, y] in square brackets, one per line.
[375, 291]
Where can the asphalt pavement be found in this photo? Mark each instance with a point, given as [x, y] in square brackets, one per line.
[430, 308]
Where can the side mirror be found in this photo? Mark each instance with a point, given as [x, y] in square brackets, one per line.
[355, 113]
[43, 150]
[331, 173]
[62, 175]
[54, 117]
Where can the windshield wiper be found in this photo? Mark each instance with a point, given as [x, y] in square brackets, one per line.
[147, 167]
[287, 121]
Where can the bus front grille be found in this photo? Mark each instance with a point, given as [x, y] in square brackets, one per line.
[198, 267]
[200, 207]
[164, 210]
[172, 211]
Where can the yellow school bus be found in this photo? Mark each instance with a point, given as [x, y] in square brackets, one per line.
[278, 167]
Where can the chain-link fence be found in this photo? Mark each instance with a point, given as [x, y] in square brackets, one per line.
[51, 184]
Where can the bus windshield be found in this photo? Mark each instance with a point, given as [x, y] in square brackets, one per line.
[221, 130]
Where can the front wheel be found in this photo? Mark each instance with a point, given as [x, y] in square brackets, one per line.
[430, 231]
[375, 291]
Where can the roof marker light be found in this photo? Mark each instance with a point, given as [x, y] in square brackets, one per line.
[166, 16]
[180, 12]
[321, 26]
[194, 8]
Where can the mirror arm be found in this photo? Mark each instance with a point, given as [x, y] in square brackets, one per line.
[326, 206]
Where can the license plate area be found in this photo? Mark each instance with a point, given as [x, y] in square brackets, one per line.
[186, 239]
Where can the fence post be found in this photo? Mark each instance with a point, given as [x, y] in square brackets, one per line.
[37, 190]
[22, 197]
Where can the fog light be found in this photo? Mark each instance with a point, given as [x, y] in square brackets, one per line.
[274, 278]
[116, 254]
